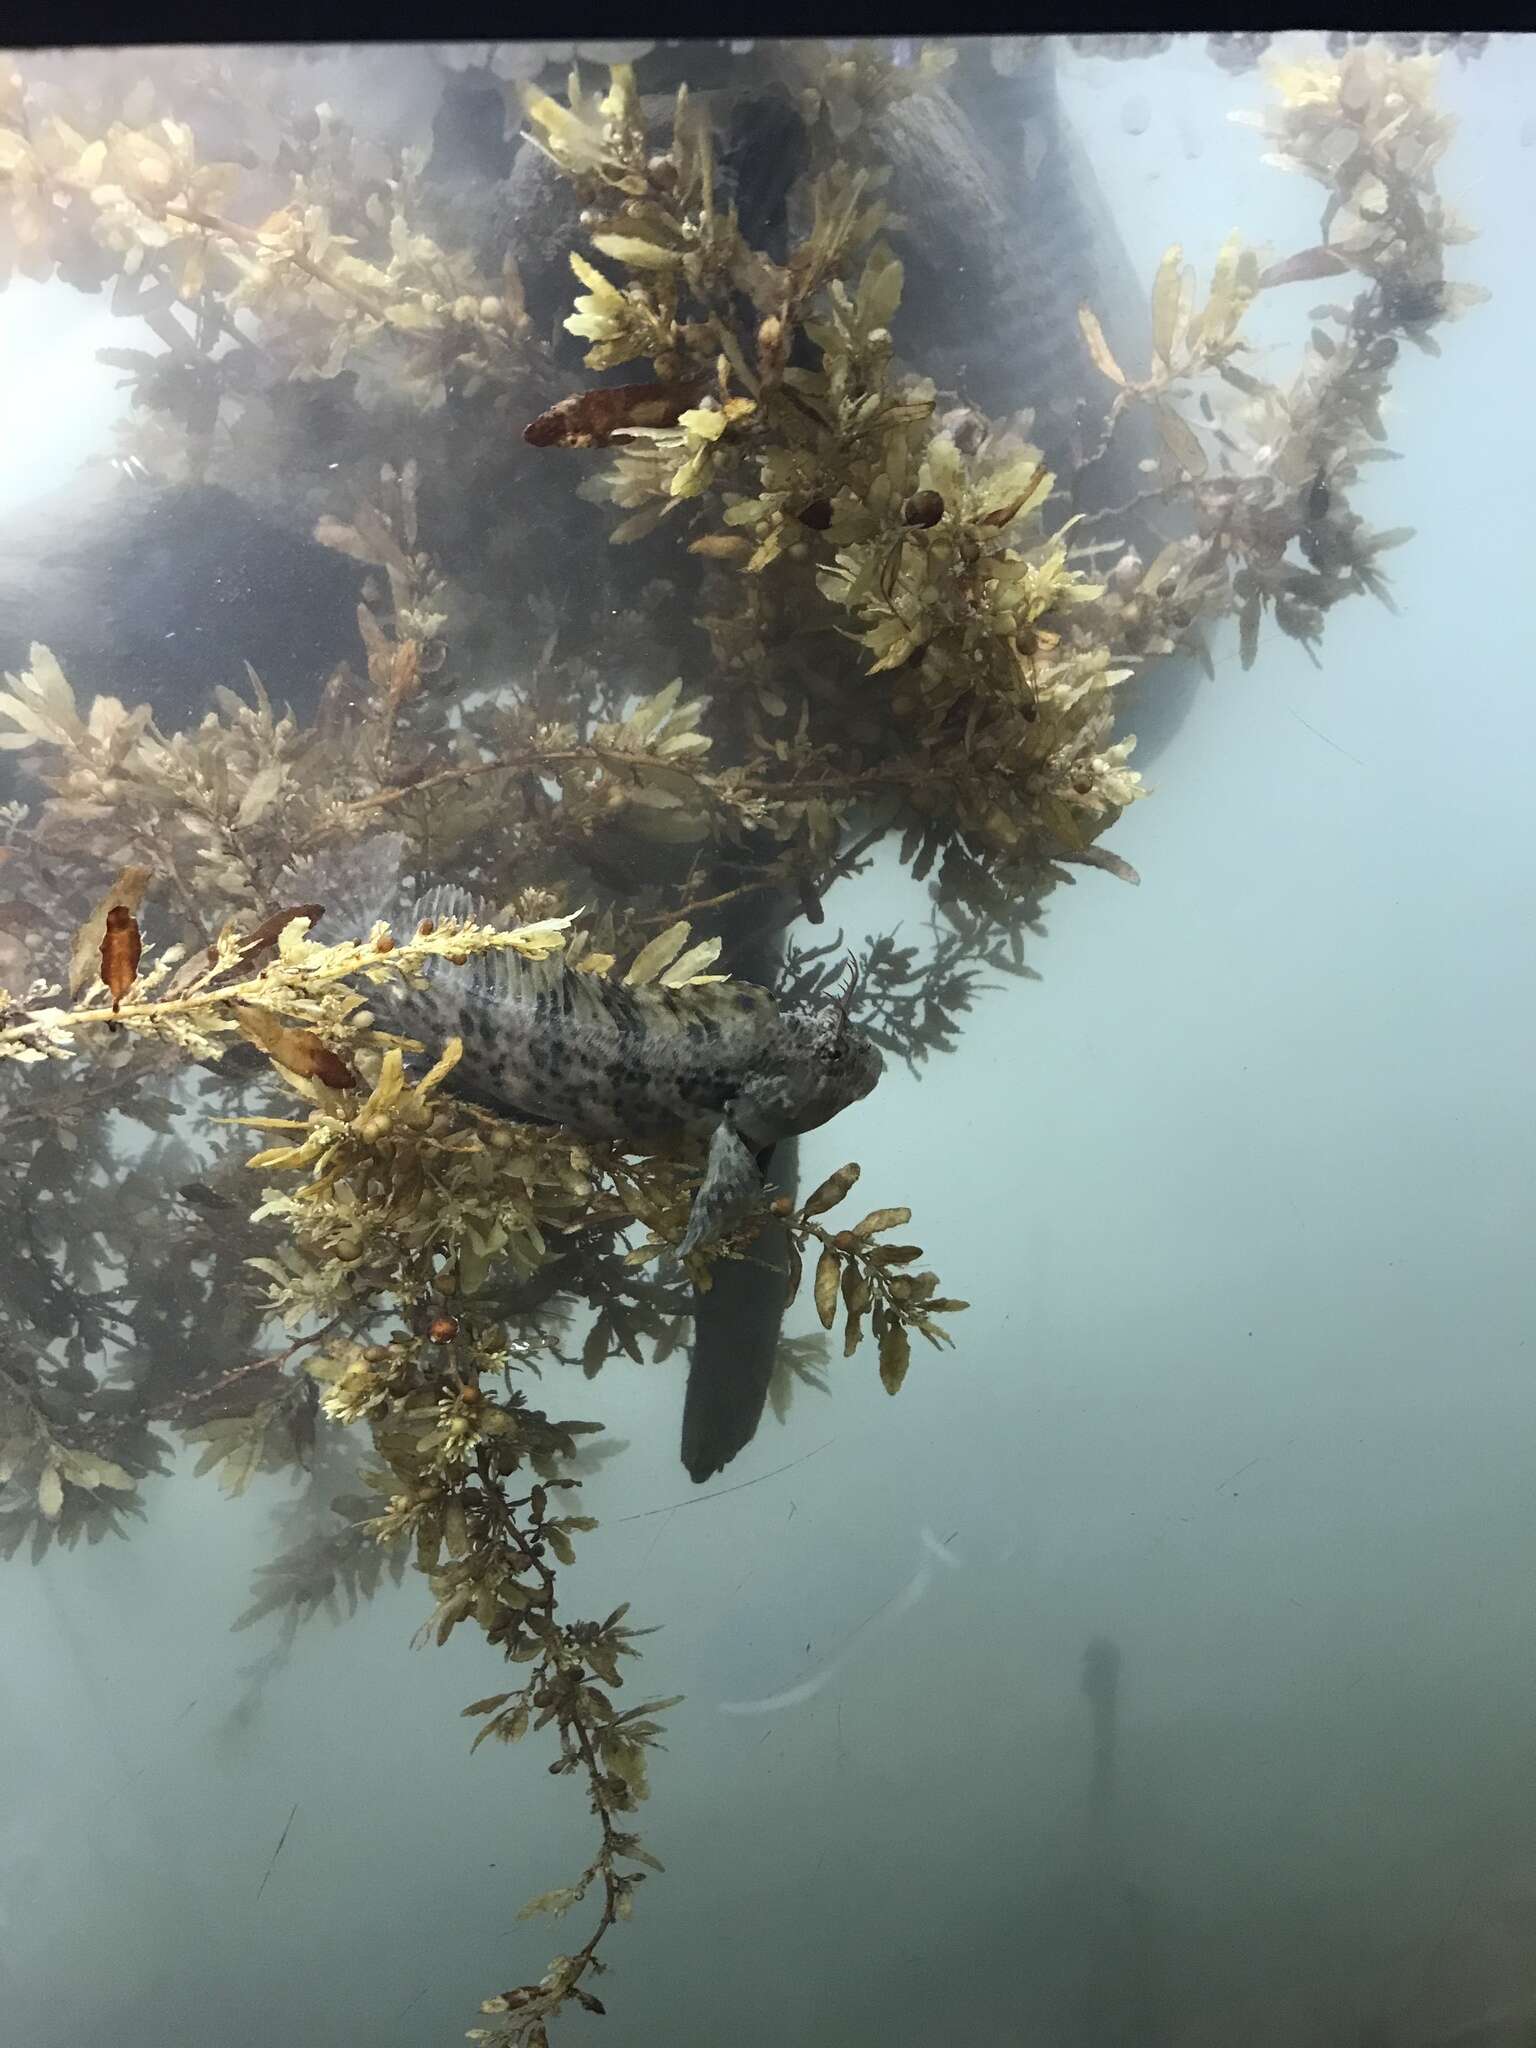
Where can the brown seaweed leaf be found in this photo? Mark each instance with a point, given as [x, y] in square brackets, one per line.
[882, 1219]
[590, 419]
[829, 1275]
[301, 1052]
[831, 1191]
[394, 666]
[366, 539]
[1248, 629]
[1181, 441]
[1172, 294]
[895, 1355]
[50, 1492]
[262, 940]
[127, 893]
[1006, 513]
[237, 1442]
[1304, 266]
[1099, 348]
[1101, 857]
[121, 947]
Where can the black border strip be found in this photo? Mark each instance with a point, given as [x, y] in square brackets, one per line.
[65, 23]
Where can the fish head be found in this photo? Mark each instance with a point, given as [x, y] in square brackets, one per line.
[837, 1064]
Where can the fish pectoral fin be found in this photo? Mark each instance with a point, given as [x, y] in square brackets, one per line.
[731, 1184]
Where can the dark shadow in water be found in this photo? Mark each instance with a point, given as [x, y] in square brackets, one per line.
[1122, 2001]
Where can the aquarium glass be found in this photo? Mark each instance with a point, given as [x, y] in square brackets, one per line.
[765, 1044]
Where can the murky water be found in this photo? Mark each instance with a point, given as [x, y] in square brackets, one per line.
[1156, 1667]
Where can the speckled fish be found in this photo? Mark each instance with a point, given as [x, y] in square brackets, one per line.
[724, 1062]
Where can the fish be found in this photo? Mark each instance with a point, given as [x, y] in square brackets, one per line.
[725, 1063]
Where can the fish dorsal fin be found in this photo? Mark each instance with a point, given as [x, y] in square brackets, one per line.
[730, 998]
[506, 975]
[672, 1015]
[723, 1002]
[493, 977]
[447, 900]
